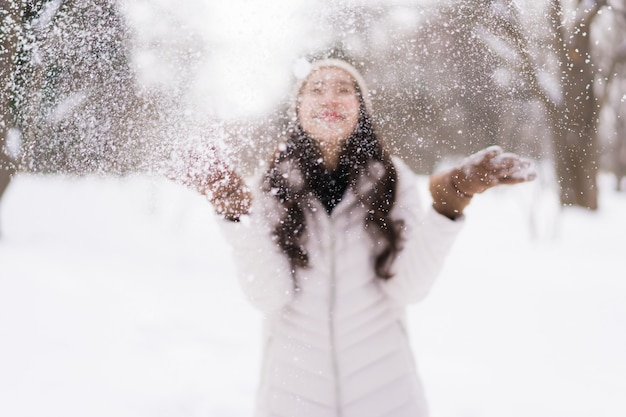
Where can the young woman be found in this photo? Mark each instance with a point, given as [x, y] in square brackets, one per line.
[331, 244]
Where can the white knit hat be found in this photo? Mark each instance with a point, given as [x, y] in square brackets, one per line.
[304, 69]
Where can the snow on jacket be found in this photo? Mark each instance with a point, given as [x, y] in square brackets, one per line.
[338, 346]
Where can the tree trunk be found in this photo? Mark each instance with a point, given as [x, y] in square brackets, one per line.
[10, 19]
[576, 164]
[575, 118]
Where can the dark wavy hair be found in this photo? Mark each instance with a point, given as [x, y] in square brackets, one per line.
[297, 169]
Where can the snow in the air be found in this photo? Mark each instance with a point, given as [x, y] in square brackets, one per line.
[118, 296]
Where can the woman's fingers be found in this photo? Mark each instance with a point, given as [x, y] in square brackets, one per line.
[490, 167]
[509, 168]
[480, 159]
[230, 196]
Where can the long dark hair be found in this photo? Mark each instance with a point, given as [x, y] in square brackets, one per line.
[298, 166]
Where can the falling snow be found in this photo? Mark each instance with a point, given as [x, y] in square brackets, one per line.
[115, 290]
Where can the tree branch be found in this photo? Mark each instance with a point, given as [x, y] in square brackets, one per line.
[511, 28]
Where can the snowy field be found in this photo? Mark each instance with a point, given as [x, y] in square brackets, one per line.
[117, 299]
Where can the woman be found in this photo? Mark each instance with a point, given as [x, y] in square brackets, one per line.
[333, 244]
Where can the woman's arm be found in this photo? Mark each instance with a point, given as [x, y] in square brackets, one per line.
[263, 270]
[206, 172]
[429, 235]
[427, 239]
[229, 194]
[453, 190]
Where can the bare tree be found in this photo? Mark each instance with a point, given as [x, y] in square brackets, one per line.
[8, 43]
[614, 131]
[619, 151]
[79, 98]
[69, 91]
[11, 23]
[574, 111]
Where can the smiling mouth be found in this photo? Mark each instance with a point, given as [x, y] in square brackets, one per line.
[330, 116]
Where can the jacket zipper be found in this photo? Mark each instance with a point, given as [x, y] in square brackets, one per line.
[331, 319]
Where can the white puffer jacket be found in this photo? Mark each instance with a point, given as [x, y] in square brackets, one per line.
[338, 347]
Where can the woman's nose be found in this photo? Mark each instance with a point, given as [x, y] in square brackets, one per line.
[329, 97]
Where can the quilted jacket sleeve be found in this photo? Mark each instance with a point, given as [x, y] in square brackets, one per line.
[428, 236]
[263, 270]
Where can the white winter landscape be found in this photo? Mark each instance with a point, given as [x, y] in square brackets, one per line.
[118, 299]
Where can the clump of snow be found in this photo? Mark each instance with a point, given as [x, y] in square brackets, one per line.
[519, 168]
[493, 157]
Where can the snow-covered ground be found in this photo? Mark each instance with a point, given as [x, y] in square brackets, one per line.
[117, 298]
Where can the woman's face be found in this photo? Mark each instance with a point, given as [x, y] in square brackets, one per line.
[328, 108]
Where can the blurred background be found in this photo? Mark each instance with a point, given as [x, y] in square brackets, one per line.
[117, 295]
[108, 86]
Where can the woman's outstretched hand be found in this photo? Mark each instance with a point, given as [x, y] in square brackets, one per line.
[206, 172]
[228, 193]
[453, 190]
